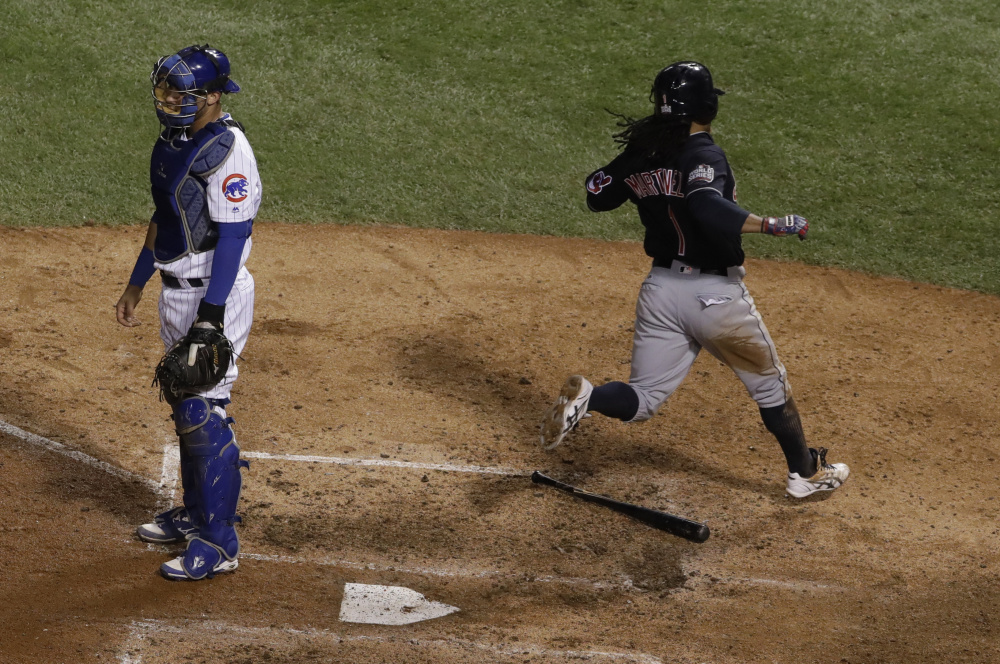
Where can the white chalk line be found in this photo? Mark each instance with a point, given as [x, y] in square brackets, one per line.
[167, 486]
[138, 630]
[172, 460]
[168, 471]
[346, 461]
[625, 584]
[131, 652]
[789, 585]
[86, 459]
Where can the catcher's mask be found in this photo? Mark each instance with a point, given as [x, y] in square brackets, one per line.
[180, 80]
[684, 90]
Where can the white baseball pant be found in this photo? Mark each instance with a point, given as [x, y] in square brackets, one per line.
[179, 306]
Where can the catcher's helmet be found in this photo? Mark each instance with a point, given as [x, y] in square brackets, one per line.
[194, 72]
[684, 90]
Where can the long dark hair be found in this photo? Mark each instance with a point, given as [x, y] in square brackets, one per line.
[651, 136]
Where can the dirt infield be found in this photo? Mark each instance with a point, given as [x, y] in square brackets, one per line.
[430, 356]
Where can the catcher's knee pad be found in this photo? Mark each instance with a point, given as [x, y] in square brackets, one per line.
[190, 415]
[215, 459]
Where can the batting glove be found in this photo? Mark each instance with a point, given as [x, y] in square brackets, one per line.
[792, 224]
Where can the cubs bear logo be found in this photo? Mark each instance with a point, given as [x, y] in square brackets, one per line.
[234, 188]
[597, 182]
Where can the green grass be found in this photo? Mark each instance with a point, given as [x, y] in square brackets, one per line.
[874, 119]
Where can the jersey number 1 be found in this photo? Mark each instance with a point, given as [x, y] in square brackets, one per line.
[680, 233]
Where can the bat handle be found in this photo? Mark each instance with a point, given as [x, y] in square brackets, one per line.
[540, 478]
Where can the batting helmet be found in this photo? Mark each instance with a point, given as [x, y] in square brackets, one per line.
[684, 90]
[193, 72]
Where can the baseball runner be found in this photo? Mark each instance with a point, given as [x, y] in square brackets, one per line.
[206, 192]
[694, 297]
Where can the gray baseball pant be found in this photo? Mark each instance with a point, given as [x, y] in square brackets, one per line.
[680, 311]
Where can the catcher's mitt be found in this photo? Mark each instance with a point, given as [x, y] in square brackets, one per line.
[197, 361]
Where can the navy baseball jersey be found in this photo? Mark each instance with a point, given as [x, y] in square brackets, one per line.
[660, 189]
[693, 297]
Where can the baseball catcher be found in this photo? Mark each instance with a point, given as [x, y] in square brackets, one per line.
[206, 192]
[694, 297]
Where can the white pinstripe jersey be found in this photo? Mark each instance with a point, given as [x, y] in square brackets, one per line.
[234, 193]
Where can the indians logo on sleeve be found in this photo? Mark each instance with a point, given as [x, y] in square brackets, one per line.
[703, 173]
[597, 182]
[235, 187]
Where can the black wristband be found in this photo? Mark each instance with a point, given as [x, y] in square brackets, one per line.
[212, 313]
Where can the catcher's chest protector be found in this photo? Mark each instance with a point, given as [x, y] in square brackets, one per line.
[178, 172]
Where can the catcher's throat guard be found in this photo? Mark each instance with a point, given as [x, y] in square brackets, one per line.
[198, 361]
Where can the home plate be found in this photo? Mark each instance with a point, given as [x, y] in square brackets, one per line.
[388, 605]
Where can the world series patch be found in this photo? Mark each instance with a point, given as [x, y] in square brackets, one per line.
[703, 173]
[235, 188]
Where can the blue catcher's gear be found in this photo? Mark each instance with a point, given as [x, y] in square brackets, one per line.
[177, 173]
[176, 524]
[206, 436]
[179, 80]
[202, 559]
[170, 527]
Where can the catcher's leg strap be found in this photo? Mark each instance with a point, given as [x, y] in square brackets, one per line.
[207, 437]
[187, 479]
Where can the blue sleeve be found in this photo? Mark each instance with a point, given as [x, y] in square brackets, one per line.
[226, 264]
[143, 269]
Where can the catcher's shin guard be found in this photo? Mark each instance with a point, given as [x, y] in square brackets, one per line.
[206, 436]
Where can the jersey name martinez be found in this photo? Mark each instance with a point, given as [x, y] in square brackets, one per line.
[661, 182]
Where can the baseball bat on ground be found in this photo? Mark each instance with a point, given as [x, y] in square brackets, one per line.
[671, 523]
